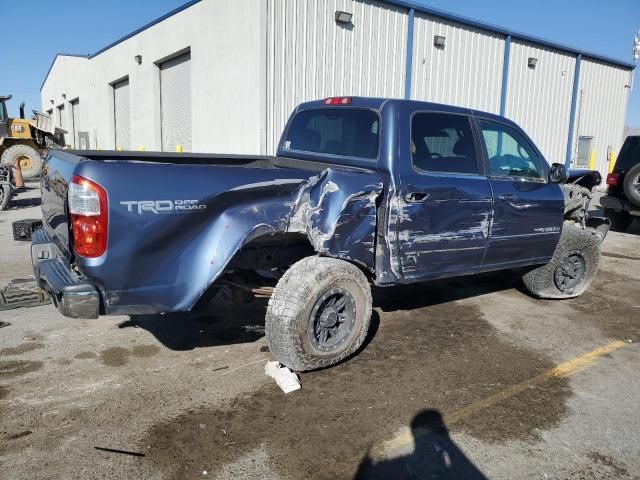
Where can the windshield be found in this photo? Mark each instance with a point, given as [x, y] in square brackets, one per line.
[629, 154]
[348, 132]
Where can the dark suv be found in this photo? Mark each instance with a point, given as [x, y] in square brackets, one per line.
[622, 202]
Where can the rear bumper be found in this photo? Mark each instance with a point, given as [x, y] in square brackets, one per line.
[73, 295]
[619, 205]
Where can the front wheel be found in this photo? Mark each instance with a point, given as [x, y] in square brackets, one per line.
[572, 268]
[319, 313]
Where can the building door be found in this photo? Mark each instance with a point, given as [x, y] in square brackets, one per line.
[584, 151]
[122, 115]
[75, 122]
[175, 103]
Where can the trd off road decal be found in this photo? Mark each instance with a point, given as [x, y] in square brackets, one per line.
[158, 207]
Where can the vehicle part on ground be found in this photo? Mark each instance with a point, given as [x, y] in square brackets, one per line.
[25, 156]
[319, 313]
[6, 187]
[576, 202]
[631, 185]
[572, 268]
[23, 229]
[22, 293]
[620, 220]
[285, 378]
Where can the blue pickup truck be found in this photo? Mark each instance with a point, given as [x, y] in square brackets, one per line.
[362, 192]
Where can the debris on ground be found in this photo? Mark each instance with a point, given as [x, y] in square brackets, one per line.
[285, 378]
[22, 293]
[124, 452]
[4, 324]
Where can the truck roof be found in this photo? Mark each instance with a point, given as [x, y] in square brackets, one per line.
[378, 103]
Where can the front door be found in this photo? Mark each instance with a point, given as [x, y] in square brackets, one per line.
[444, 202]
[528, 210]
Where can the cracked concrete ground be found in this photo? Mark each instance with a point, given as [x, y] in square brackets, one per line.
[191, 395]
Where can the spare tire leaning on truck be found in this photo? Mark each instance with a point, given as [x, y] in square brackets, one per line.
[26, 156]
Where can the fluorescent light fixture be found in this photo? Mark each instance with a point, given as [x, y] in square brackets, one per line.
[439, 41]
[343, 18]
[532, 62]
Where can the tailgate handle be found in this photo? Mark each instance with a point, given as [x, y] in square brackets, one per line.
[415, 197]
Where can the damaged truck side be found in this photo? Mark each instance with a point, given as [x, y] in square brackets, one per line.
[362, 192]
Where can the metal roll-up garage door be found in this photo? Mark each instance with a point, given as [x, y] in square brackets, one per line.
[122, 114]
[175, 103]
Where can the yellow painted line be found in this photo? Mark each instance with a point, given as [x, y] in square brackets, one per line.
[562, 370]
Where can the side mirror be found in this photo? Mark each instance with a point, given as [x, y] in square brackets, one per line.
[558, 173]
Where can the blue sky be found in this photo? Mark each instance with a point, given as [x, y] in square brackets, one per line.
[34, 31]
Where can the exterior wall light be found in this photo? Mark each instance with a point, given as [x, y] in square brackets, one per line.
[343, 18]
[439, 41]
[532, 62]
[138, 59]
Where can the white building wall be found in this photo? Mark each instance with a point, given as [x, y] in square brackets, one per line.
[224, 40]
[467, 72]
[311, 57]
[601, 108]
[539, 99]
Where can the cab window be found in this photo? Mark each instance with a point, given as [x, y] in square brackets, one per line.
[509, 153]
[443, 142]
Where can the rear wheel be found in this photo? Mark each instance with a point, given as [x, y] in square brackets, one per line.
[620, 221]
[319, 313]
[24, 156]
[572, 268]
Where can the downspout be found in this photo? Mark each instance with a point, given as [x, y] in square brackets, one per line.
[572, 115]
[409, 59]
[505, 75]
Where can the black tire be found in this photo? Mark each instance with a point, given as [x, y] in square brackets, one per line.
[631, 185]
[299, 303]
[29, 158]
[620, 221]
[5, 196]
[577, 246]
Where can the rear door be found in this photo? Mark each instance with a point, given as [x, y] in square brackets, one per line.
[528, 210]
[444, 200]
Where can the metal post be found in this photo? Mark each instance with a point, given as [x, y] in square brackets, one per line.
[409, 59]
[572, 115]
[505, 75]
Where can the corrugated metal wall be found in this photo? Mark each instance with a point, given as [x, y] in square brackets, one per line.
[467, 72]
[539, 99]
[309, 56]
[602, 104]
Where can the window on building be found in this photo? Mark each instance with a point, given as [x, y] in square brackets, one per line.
[443, 142]
[509, 154]
[348, 132]
[60, 120]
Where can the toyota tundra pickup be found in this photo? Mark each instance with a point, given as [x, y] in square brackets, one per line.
[362, 192]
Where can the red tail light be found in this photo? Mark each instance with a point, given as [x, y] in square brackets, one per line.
[88, 210]
[338, 101]
[613, 179]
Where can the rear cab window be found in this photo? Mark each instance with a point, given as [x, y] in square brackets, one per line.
[339, 131]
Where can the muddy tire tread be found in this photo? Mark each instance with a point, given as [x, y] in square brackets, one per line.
[299, 284]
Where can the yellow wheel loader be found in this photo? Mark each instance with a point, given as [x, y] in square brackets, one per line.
[22, 141]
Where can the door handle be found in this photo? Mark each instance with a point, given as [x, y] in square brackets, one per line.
[507, 197]
[416, 197]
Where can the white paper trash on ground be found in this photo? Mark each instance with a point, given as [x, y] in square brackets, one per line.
[285, 378]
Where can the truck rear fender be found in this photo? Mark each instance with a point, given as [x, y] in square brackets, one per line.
[336, 210]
